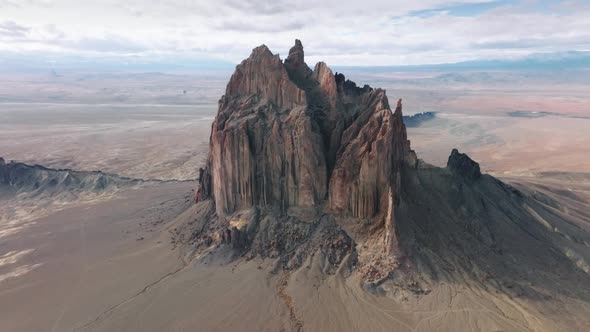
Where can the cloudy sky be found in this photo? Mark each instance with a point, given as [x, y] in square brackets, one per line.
[340, 32]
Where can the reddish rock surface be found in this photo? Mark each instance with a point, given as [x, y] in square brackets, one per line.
[286, 136]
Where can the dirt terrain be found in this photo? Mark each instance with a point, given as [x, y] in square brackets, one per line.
[106, 266]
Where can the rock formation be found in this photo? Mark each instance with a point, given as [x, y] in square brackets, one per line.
[416, 120]
[302, 158]
[308, 169]
[461, 164]
[314, 176]
[265, 147]
[3, 171]
[289, 137]
[35, 180]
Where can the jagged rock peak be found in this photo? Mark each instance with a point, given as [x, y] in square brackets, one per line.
[321, 68]
[349, 87]
[398, 108]
[461, 164]
[2, 162]
[289, 137]
[263, 75]
[261, 50]
[298, 70]
[296, 55]
[327, 82]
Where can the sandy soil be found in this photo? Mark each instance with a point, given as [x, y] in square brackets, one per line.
[69, 266]
[139, 141]
[111, 266]
[504, 144]
[246, 298]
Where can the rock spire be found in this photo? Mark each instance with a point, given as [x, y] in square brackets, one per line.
[289, 137]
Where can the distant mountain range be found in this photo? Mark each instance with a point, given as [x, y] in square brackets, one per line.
[540, 61]
[17, 62]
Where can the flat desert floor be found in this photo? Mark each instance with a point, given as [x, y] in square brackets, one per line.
[111, 266]
[140, 141]
[59, 271]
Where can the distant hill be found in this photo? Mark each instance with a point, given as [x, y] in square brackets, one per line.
[30, 181]
[540, 61]
[417, 119]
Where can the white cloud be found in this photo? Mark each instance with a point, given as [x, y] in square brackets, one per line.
[10, 29]
[338, 32]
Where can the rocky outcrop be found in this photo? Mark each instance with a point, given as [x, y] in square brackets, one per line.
[234, 237]
[203, 190]
[295, 65]
[35, 180]
[308, 169]
[373, 148]
[264, 76]
[461, 164]
[265, 148]
[327, 83]
[416, 120]
[3, 171]
[289, 137]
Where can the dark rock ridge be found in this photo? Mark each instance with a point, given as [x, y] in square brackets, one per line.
[288, 137]
[461, 164]
[416, 120]
[36, 180]
[3, 171]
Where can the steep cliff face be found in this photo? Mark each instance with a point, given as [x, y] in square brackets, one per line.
[371, 150]
[263, 75]
[265, 148]
[286, 136]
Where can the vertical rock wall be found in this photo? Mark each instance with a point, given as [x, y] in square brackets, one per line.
[286, 136]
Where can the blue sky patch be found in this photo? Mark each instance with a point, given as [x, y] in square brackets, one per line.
[464, 9]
